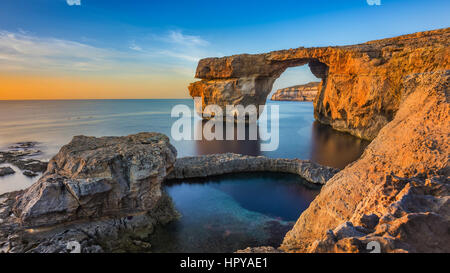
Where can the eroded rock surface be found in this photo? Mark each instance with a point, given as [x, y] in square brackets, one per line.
[116, 234]
[98, 177]
[217, 164]
[397, 193]
[361, 88]
[304, 92]
[6, 171]
[19, 155]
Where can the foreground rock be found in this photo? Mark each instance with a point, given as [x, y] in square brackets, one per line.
[397, 193]
[361, 86]
[6, 171]
[305, 92]
[117, 234]
[98, 177]
[103, 193]
[217, 164]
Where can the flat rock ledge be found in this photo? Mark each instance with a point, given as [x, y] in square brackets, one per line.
[218, 164]
[21, 155]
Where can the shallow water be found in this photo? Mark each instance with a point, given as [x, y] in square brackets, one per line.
[220, 214]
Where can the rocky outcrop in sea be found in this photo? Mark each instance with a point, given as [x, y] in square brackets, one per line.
[218, 164]
[22, 156]
[361, 84]
[304, 92]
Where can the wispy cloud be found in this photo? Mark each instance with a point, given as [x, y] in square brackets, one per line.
[19, 51]
[178, 46]
[172, 53]
[73, 2]
[178, 37]
[135, 47]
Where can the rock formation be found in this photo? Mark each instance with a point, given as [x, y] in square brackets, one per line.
[397, 193]
[19, 155]
[98, 177]
[305, 92]
[217, 164]
[6, 171]
[361, 86]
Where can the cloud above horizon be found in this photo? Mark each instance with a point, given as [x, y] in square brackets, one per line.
[73, 2]
[173, 52]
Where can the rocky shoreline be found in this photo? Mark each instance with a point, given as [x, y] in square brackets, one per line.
[105, 193]
[20, 155]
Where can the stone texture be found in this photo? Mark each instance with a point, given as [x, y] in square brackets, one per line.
[98, 177]
[361, 86]
[305, 92]
[19, 155]
[261, 249]
[118, 234]
[30, 174]
[397, 193]
[6, 171]
[217, 164]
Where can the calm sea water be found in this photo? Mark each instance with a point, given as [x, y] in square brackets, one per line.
[219, 214]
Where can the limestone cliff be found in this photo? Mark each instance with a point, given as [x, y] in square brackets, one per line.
[361, 86]
[397, 193]
[304, 92]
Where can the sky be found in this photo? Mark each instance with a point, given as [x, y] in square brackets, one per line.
[130, 49]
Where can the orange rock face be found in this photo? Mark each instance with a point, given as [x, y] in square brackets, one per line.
[361, 84]
[397, 193]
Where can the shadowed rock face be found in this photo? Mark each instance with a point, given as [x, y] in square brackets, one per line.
[361, 84]
[98, 177]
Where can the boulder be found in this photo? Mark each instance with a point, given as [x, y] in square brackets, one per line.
[98, 177]
[6, 171]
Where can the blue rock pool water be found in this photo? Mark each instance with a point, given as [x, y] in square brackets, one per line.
[231, 212]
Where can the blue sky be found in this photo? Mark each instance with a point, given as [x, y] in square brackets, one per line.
[163, 40]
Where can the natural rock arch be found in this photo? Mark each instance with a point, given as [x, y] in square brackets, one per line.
[361, 86]
[250, 81]
[396, 193]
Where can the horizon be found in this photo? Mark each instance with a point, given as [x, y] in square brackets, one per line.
[102, 50]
